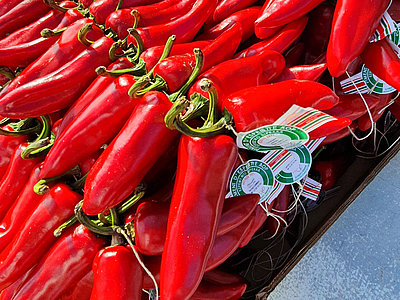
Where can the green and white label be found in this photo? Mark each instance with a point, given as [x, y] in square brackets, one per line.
[272, 137]
[296, 167]
[374, 83]
[252, 177]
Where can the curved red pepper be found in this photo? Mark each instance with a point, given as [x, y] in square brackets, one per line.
[245, 18]
[65, 49]
[63, 265]
[117, 274]
[100, 9]
[245, 72]
[152, 55]
[60, 88]
[258, 220]
[209, 291]
[364, 122]
[281, 12]
[82, 289]
[32, 31]
[280, 205]
[125, 162]
[21, 15]
[196, 203]
[176, 70]
[185, 28]
[15, 178]
[383, 61]
[225, 8]
[85, 134]
[330, 170]
[278, 42]
[303, 72]
[294, 55]
[248, 106]
[7, 146]
[36, 235]
[334, 137]
[220, 277]
[353, 24]
[8, 5]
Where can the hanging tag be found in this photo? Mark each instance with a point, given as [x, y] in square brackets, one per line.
[252, 177]
[386, 27]
[311, 189]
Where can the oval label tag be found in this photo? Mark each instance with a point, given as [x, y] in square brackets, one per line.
[296, 167]
[272, 137]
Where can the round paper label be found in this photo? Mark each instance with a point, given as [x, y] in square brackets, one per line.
[297, 167]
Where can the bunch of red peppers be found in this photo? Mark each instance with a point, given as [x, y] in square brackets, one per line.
[118, 125]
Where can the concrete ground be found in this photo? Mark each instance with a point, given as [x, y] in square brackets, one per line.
[359, 256]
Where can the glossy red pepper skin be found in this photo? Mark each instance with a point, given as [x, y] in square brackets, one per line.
[245, 72]
[245, 18]
[101, 9]
[281, 12]
[86, 133]
[209, 291]
[92, 92]
[152, 55]
[82, 290]
[225, 8]
[220, 277]
[302, 72]
[60, 88]
[383, 61]
[176, 70]
[36, 235]
[7, 146]
[65, 49]
[294, 55]
[259, 218]
[185, 28]
[63, 265]
[246, 105]
[316, 35]
[330, 170]
[132, 153]
[32, 31]
[279, 42]
[196, 190]
[364, 122]
[353, 24]
[117, 274]
[15, 178]
[88, 163]
[352, 106]
[341, 134]
[8, 5]
[21, 15]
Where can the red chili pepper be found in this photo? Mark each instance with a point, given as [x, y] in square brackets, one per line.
[364, 122]
[303, 72]
[341, 134]
[21, 15]
[281, 12]
[185, 28]
[294, 55]
[125, 162]
[7, 146]
[383, 61]
[353, 24]
[197, 189]
[93, 91]
[209, 291]
[88, 163]
[175, 70]
[245, 18]
[258, 220]
[82, 289]
[62, 266]
[247, 105]
[60, 88]
[330, 170]
[117, 274]
[352, 106]
[394, 10]
[32, 31]
[65, 49]
[36, 235]
[101, 9]
[15, 178]
[8, 5]
[219, 277]
[152, 55]
[316, 35]
[278, 42]
[254, 70]
[279, 207]
[86, 133]
[225, 8]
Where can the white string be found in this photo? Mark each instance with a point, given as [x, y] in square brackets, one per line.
[120, 230]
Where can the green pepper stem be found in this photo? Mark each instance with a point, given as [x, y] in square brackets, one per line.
[42, 187]
[43, 142]
[22, 132]
[90, 224]
[177, 108]
[67, 224]
[48, 33]
[139, 69]
[158, 84]
[113, 49]
[82, 34]
[198, 107]
[7, 72]
[207, 86]
[53, 4]
[119, 5]
[196, 71]
[136, 17]
[139, 43]
[141, 82]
